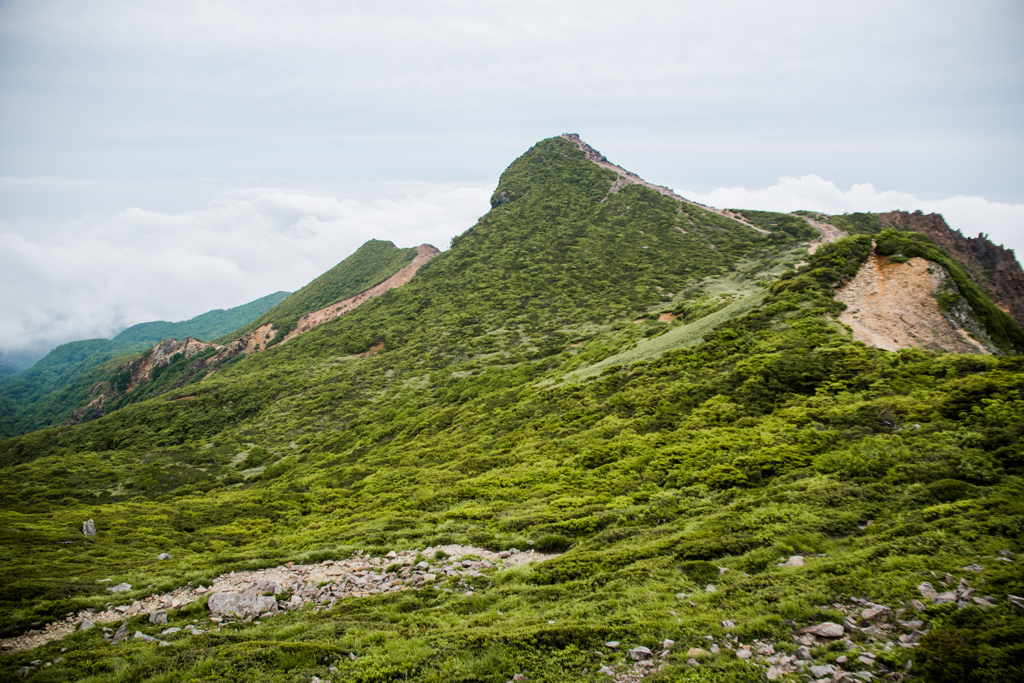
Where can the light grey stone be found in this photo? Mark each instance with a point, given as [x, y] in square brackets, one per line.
[824, 630]
[89, 527]
[241, 604]
[119, 588]
[639, 654]
[86, 625]
[158, 617]
[822, 671]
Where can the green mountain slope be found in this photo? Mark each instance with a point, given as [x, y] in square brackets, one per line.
[207, 326]
[767, 435]
[371, 264]
[61, 382]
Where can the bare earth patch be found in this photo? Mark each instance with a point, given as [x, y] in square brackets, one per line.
[892, 306]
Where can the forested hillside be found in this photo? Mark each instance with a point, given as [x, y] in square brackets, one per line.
[49, 392]
[656, 398]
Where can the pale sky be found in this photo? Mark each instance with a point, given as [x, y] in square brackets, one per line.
[160, 159]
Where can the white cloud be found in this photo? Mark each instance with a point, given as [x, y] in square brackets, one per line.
[91, 277]
[1003, 223]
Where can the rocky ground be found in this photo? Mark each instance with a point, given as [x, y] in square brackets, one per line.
[252, 594]
[848, 652]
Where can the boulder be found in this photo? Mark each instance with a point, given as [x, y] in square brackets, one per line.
[824, 630]
[241, 604]
[697, 652]
[164, 556]
[119, 588]
[639, 654]
[89, 528]
[823, 671]
[121, 634]
[264, 586]
[927, 590]
[876, 613]
[794, 561]
[85, 625]
[158, 617]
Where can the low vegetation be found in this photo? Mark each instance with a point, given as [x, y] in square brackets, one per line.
[710, 459]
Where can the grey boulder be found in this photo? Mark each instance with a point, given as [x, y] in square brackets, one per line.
[241, 604]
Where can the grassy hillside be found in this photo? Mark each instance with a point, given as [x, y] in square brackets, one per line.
[207, 326]
[768, 434]
[371, 264]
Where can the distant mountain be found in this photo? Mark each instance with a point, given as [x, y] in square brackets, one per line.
[47, 393]
[742, 445]
[206, 326]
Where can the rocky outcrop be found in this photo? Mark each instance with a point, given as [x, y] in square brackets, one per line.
[994, 268]
[893, 306]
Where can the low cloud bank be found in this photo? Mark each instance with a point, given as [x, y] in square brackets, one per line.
[1003, 223]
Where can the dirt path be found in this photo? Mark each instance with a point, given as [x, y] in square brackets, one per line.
[829, 233]
[425, 253]
[892, 306]
[627, 178]
[322, 584]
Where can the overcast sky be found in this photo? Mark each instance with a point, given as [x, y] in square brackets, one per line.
[160, 159]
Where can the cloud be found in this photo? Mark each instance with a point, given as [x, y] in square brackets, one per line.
[91, 278]
[1003, 223]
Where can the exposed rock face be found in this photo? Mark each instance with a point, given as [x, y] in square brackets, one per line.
[893, 306]
[993, 267]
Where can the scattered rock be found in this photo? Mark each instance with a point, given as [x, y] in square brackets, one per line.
[824, 630]
[1016, 602]
[803, 652]
[240, 604]
[744, 654]
[639, 654]
[89, 528]
[822, 671]
[667, 644]
[973, 568]
[119, 588]
[983, 603]
[697, 652]
[728, 624]
[876, 613]
[944, 598]
[927, 590]
[918, 605]
[519, 677]
[794, 561]
[264, 586]
[158, 617]
[710, 588]
[85, 625]
[693, 662]
[121, 634]
[613, 644]
[164, 556]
